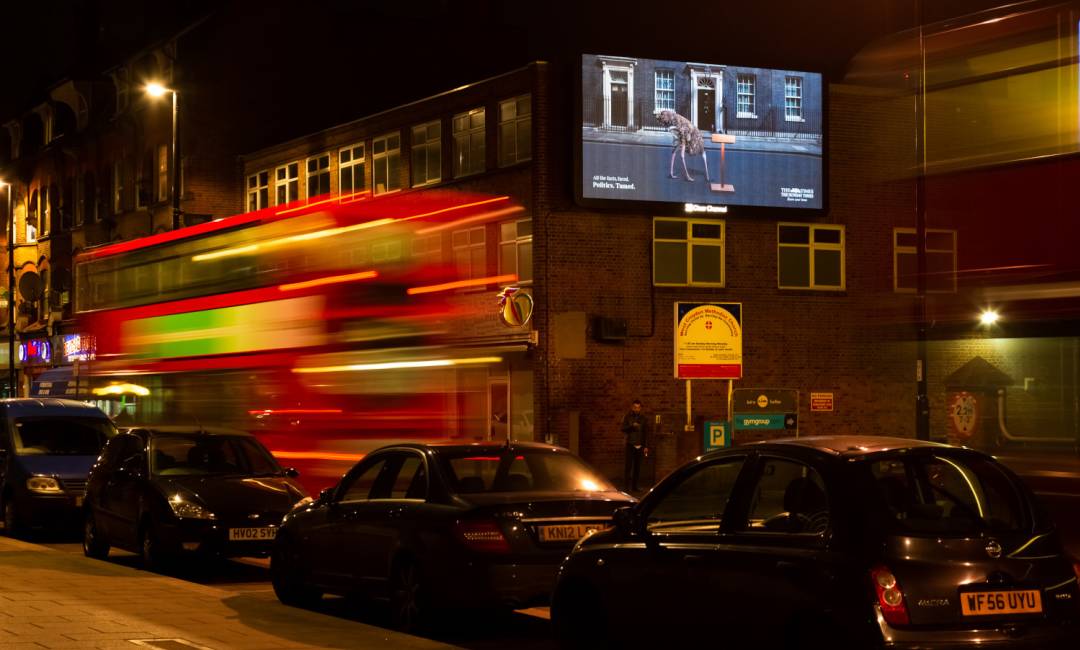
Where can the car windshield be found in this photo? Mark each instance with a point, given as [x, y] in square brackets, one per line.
[65, 436]
[204, 454]
[942, 495]
[520, 470]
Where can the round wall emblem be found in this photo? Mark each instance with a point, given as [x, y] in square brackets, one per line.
[515, 307]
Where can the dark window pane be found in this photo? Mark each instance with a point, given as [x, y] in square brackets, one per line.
[827, 236]
[669, 263]
[906, 271]
[906, 239]
[794, 267]
[663, 229]
[939, 241]
[827, 270]
[707, 265]
[794, 234]
[706, 230]
[939, 271]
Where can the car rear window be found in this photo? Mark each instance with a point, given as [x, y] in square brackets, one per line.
[947, 494]
[47, 436]
[471, 472]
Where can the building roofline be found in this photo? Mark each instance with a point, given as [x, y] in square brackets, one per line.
[293, 141]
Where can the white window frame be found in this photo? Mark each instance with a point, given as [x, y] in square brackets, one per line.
[467, 160]
[258, 184]
[162, 172]
[515, 242]
[320, 170]
[383, 158]
[515, 120]
[745, 87]
[467, 248]
[423, 143]
[899, 250]
[691, 242]
[348, 169]
[118, 187]
[290, 181]
[45, 210]
[661, 98]
[812, 246]
[793, 99]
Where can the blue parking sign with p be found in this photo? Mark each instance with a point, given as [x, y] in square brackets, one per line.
[717, 435]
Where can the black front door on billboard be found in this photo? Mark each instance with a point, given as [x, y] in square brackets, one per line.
[619, 104]
[706, 117]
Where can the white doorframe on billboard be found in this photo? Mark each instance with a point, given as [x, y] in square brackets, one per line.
[626, 66]
[707, 72]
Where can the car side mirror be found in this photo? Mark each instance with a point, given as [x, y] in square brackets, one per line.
[326, 495]
[628, 521]
[292, 472]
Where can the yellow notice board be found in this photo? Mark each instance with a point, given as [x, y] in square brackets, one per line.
[708, 340]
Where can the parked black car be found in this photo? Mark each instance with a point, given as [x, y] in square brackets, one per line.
[429, 526]
[831, 542]
[46, 448]
[162, 490]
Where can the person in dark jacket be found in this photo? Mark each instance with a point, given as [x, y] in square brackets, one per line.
[635, 429]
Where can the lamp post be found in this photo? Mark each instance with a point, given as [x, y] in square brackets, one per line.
[12, 390]
[157, 90]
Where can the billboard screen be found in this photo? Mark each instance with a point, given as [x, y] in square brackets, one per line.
[684, 132]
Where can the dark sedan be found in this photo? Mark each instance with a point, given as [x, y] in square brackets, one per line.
[427, 526]
[832, 542]
[162, 490]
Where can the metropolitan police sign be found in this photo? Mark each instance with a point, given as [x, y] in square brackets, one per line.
[708, 340]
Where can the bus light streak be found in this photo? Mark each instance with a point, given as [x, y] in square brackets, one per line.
[462, 284]
[400, 365]
[333, 279]
[293, 411]
[315, 455]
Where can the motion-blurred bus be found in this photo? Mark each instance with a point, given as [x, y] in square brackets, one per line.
[324, 327]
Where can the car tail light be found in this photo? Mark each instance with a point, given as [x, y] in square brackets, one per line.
[483, 535]
[890, 596]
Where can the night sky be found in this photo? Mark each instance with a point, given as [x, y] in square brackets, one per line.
[408, 49]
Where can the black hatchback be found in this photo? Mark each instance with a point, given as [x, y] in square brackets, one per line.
[845, 542]
[426, 526]
[162, 490]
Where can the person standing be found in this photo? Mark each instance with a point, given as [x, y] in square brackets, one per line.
[635, 429]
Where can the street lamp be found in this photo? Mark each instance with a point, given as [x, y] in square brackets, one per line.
[156, 90]
[989, 317]
[12, 391]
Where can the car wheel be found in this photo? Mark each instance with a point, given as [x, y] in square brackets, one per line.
[94, 545]
[409, 598]
[12, 521]
[154, 557]
[579, 617]
[287, 578]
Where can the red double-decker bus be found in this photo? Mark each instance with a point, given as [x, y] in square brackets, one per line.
[321, 326]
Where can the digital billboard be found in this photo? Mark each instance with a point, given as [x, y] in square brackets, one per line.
[685, 132]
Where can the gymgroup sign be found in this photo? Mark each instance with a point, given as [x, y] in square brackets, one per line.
[708, 340]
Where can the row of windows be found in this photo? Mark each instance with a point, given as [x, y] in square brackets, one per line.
[690, 252]
[745, 94]
[468, 146]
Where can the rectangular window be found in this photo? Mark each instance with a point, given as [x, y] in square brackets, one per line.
[258, 191]
[351, 177]
[688, 252]
[940, 260]
[745, 96]
[793, 99]
[470, 151]
[515, 130]
[287, 183]
[162, 172]
[318, 176]
[810, 257]
[515, 249]
[47, 199]
[470, 252]
[427, 153]
[386, 163]
[428, 249]
[665, 90]
[118, 187]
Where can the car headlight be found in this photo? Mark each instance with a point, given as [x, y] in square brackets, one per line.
[189, 510]
[43, 484]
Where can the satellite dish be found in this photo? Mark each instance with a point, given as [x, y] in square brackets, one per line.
[30, 286]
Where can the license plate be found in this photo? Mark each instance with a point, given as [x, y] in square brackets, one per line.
[996, 603]
[568, 532]
[245, 534]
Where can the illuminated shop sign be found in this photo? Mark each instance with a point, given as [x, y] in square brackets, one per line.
[78, 347]
[36, 351]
